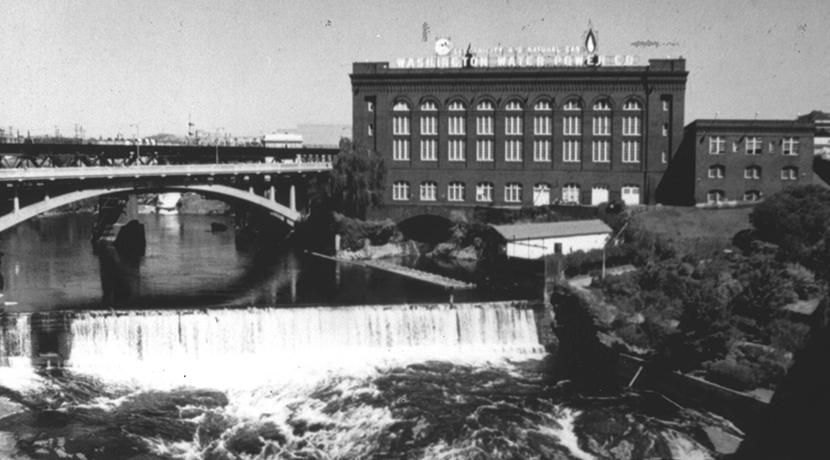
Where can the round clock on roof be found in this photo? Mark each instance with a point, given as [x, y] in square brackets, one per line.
[443, 46]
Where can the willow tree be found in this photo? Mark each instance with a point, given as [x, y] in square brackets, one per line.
[355, 183]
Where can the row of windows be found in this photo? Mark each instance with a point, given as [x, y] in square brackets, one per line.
[603, 105]
[753, 172]
[753, 145]
[456, 192]
[542, 150]
[542, 125]
[719, 196]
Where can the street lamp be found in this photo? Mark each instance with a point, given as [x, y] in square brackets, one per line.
[137, 142]
[216, 141]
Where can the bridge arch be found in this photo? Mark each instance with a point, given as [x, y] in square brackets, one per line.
[282, 212]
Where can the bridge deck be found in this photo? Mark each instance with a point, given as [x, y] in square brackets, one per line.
[109, 172]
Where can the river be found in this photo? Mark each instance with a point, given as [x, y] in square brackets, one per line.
[201, 350]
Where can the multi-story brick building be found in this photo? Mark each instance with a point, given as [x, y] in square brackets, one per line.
[511, 136]
[733, 161]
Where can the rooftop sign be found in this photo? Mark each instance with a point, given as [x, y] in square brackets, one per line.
[448, 57]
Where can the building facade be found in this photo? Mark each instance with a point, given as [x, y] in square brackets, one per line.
[738, 161]
[520, 136]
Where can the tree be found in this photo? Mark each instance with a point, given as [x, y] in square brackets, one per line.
[354, 185]
[796, 219]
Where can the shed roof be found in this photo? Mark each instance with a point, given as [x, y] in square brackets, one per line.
[552, 229]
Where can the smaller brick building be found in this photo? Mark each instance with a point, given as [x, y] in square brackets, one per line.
[735, 161]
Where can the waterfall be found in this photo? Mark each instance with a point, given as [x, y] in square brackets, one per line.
[238, 346]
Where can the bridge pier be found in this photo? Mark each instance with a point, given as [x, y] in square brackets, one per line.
[292, 198]
[272, 194]
[16, 203]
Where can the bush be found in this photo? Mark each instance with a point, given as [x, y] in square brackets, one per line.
[787, 335]
[732, 374]
[581, 262]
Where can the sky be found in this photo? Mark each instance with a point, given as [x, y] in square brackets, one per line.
[256, 66]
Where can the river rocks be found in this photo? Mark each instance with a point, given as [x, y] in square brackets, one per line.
[369, 252]
[248, 439]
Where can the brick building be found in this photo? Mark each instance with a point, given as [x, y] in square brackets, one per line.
[733, 161]
[513, 136]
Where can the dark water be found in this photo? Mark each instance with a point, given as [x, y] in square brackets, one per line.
[48, 264]
[347, 372]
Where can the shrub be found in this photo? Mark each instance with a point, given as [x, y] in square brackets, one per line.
[732, 374]
[787, 335]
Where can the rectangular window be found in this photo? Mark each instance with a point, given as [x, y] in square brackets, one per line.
[400, 150]
[513, 125]
[666, 102]
[664, 157]
[400, 126]
[600, 151]
[571, 126]
[484, 150]
[570, 151]
[428, 150]
[484, 125]
[631, 126]
[790, 146]
[717, 145]
[602, 126]
[542, 125]
[370, 129]
[753, 146]
[631, 151]
[457, 125]
[429, 125]
[456, 149]
[513, 150]
[541, 150]
[665, 130]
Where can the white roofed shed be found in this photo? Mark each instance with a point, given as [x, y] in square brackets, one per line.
[532, 241]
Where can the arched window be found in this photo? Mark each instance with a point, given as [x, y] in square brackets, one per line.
[513, 192]
[484, 192]
[715, 197]
[752, 172]
[541, 195]
[543, 105]
[717, 172]
[602, 105]
[513, 121]
[570, 193]
[400, 191]
[484, 129]
[631, 104]
[513, 105]
[572, 122]
[572, 105]
[789, 173]
[599, 195]
[457, 119]
[429, 131]
[400, 131]
[455, 191]
[428, 191]
[752, 195]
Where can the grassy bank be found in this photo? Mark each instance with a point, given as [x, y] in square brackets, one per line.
[693, 230]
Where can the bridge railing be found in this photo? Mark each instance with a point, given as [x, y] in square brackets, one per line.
[108, 172]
